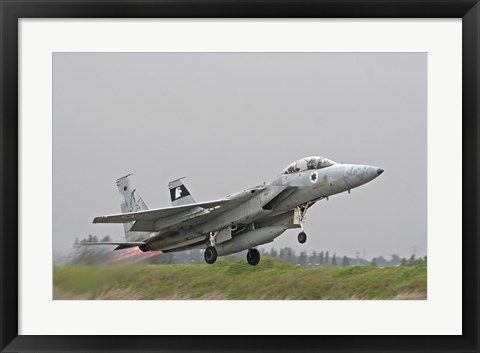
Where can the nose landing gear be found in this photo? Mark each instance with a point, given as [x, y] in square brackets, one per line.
[253, 257]
[302, 237]
[300, 217]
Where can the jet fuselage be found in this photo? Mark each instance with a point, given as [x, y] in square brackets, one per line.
[308, 186]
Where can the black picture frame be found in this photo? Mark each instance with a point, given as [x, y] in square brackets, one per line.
[12, 10]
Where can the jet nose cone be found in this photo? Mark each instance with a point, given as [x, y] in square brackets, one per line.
[379, 171]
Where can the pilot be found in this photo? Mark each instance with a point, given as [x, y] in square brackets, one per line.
[290, 169]
[311, 164]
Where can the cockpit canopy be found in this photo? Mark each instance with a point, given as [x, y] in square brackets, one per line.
[307, 164]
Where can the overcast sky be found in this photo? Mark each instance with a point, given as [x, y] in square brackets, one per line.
[232, 121]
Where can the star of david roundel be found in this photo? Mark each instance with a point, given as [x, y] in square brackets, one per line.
[314, 177]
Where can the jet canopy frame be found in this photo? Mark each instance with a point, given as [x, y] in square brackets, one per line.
[308, 163]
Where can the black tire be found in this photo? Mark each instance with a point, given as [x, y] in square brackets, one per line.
[210, 255]
[302, 237]
[253, 257]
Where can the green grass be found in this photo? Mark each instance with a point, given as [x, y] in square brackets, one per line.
[271, 279]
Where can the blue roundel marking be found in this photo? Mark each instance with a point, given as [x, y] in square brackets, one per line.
[314, 177]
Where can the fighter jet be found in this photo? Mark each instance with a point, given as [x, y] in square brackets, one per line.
[237, 222]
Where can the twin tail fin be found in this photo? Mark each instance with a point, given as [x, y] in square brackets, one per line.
[179, 194]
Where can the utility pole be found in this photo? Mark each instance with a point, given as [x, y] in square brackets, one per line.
[414, 249]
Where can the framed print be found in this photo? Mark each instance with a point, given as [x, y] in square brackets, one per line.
[370, 108]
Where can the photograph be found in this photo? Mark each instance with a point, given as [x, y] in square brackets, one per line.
[239, 176]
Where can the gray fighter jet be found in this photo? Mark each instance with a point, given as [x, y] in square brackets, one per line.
[237, 222]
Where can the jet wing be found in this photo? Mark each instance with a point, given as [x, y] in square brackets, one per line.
[243, 196]
[172, 218]
[163, 218]
[158, 213]
[120, 244]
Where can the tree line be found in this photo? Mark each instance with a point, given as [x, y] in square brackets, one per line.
[82, 254]
[326, 258]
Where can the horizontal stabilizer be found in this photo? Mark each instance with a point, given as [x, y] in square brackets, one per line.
[128, 244]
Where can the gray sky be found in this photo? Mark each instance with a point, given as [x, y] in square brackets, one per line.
[232, 121]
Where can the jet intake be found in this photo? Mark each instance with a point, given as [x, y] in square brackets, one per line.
[249, 240]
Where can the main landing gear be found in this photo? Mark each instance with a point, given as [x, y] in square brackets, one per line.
[210, 255]
[253, 257]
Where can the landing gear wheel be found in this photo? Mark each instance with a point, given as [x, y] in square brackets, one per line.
[253, 257]
[302, 237]
[210, 255]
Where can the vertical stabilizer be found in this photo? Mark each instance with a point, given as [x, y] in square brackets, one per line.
[131, 201]
[179, 194]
